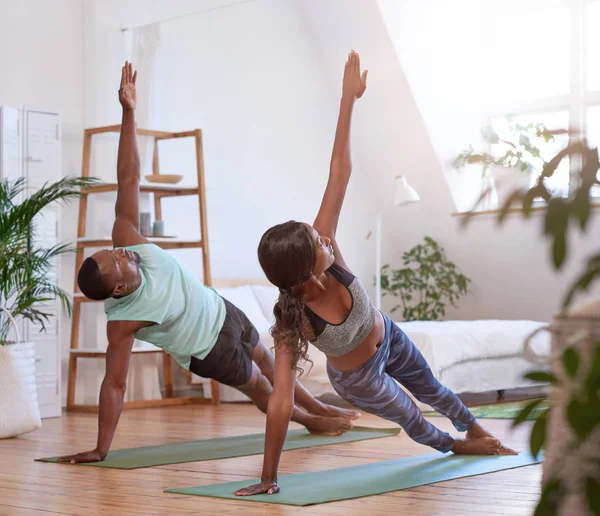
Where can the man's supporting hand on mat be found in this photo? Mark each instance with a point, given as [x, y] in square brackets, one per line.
[266, 486]
[88, 456]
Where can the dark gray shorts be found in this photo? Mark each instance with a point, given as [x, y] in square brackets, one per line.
[230, 360]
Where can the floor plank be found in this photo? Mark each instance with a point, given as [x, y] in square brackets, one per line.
[29, 488]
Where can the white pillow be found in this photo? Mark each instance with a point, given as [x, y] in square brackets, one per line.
[244, 299]
[267, 297]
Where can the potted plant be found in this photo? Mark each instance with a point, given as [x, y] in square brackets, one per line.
[569, 430]
[24, 288]
[519, 154]
[426, 284]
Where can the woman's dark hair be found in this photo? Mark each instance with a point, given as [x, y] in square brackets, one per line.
[287, 256]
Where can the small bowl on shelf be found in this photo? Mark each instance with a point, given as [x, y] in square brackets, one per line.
[164, 178]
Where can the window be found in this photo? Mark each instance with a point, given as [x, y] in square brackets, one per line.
[559, 182]
[546, 69]
[531, 54]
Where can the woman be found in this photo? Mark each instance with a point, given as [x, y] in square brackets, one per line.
[322, 302]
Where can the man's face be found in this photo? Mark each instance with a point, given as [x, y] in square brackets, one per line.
[119, 267]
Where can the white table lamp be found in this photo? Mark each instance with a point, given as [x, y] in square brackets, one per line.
[403, 194]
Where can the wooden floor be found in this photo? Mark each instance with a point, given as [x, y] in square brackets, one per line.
[34, 488]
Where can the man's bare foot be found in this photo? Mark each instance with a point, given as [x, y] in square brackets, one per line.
[478, 446]
[478, 432]
[329, 425]
[332, 411]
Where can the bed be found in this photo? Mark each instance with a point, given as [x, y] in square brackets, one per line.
[466, 356]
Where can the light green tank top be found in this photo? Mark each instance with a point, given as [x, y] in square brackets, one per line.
[187, 315]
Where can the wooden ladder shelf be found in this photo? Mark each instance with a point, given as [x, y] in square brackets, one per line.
[160, 191]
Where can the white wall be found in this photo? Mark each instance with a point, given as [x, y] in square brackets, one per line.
[41, 58]
[444, 52]
[441, 47]
[269, 118]
[248, 76]
[423, 106]
[262, 80]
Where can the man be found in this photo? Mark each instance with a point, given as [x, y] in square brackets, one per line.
[149, 295]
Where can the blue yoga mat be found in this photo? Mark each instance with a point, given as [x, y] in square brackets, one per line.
[368, 479]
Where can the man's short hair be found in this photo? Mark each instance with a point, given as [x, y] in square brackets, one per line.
[91, 282]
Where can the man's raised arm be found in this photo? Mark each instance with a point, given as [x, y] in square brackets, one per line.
[127, 210]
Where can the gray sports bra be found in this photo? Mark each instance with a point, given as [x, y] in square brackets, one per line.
[336, 340]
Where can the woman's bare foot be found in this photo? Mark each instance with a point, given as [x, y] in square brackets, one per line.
[477, 432]
[332, 411]
[478, 446]
[329, 425]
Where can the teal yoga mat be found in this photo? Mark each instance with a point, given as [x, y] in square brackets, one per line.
[368, 479]
[225, 447]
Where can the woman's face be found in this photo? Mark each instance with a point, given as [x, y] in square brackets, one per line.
[324, 255]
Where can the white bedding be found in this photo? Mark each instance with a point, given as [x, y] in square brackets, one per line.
[466, 356]
[488, 375]
[449, 343]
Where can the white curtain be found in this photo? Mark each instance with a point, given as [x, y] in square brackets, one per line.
[144, 379]
[146, 41]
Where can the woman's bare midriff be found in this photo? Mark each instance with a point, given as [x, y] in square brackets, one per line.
[364, 351]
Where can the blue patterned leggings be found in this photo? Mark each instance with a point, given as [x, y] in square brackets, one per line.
[371, 387]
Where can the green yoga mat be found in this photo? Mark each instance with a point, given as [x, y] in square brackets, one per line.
[368, 479]
[225, 447]
[508, 410]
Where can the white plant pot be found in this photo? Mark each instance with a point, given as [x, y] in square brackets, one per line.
[19, 409]
[559, 432]
[580, 328]
[507, 180]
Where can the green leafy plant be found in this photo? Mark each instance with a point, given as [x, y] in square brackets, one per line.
[24, 267]
[583, 411]
[580, 467]
[560, 212]
[426, 284]
[523, 148]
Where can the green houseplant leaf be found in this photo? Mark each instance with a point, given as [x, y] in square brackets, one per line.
[25, 269]
[542, 377]
[538, 434]
[582, 417]
[427, 283]
[592, 493]
[583, 282]
[583, 407]
[570, 361]
[526, 410]
[552, 493]
[557, 219]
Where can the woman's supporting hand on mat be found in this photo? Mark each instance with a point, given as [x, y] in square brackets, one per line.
[290, 341]
[88, 456]
[266, 486]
